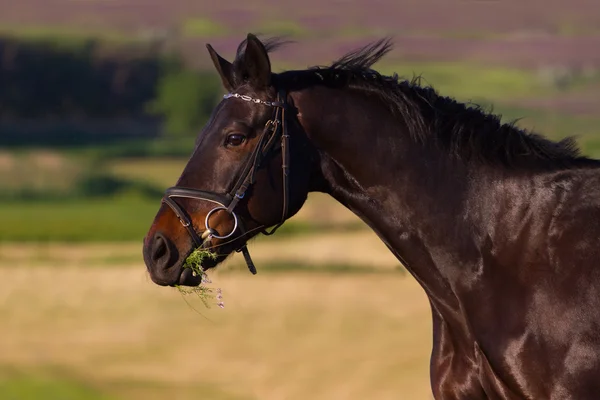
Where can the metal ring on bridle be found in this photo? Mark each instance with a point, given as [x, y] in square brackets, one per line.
[235, 223]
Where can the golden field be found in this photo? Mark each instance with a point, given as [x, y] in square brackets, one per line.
[88, 317]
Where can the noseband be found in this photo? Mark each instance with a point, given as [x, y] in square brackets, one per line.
[274, 128]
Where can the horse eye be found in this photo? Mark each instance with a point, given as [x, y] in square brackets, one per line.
[235, 139]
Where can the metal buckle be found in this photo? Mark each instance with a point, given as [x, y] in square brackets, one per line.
[272, 125]
[184, 223]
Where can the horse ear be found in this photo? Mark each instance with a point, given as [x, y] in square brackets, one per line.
[224, 68]
[256, 65]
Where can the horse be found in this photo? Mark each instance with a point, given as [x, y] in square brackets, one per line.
[499, 225]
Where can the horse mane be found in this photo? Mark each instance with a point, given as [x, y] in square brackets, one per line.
[466, 131]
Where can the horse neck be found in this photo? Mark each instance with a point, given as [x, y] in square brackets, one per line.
[411, 194]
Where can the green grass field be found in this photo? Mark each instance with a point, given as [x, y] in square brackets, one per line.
[125, 216]
[128, 218]
[77, 220]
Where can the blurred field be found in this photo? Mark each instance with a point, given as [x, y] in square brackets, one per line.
[495, 32]
[315, 251]
[331, 315]
[163, 172]
[73, 331]
[126, 215]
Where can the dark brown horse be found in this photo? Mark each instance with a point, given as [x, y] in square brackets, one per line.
[501, 227]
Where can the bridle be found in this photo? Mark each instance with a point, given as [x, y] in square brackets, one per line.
[274, 128]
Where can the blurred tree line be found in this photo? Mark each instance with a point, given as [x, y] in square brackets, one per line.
[97, 93]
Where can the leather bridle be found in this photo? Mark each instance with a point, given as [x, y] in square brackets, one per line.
[274, 128]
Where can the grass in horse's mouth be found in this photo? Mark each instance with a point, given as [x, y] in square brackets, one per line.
[194, 260]
[204, 293]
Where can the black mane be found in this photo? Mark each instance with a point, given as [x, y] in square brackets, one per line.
[465, 130]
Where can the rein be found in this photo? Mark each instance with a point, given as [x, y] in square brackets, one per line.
[275, 128]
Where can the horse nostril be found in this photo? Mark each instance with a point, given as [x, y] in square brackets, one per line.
[160, 248]
[162, 252]
[160, 256]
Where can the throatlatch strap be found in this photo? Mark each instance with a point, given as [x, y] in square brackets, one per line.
[248, 259]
